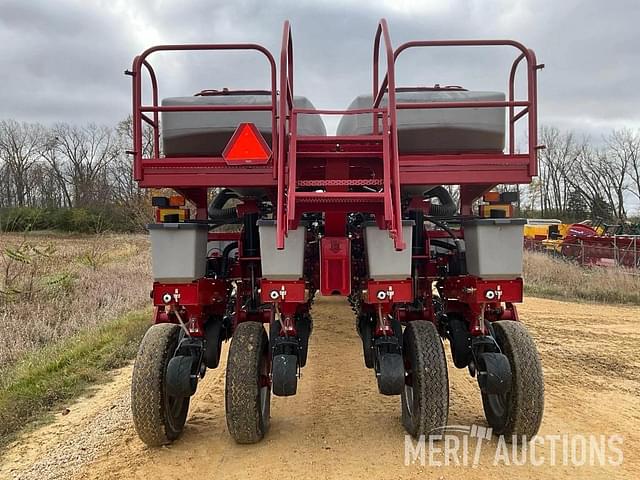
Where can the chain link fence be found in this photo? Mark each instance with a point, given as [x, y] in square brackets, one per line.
[618, 251]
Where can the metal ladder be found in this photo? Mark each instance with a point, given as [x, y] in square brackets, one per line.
[294, 196]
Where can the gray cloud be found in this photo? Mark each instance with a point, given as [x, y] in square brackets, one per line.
[63, 60]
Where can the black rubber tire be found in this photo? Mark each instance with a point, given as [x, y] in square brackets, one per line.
[284, 375]
[365, 330]
[213, 335]
[248, 388]
[519, 411]
[180, 382]
[305, 327]
[158, 418]
[391, 375]
[459, 341]
[425, 398]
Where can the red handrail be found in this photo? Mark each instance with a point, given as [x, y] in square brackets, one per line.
[139, 109]
[529, 105]
[391, 114]
[388, 114]
[285, 105]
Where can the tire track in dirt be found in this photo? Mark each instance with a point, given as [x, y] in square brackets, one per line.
[338, 426]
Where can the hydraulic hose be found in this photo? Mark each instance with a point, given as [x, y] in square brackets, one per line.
[443, 244]
[224, 266]
[443, 226]
[224, 215]
[447, 206]
[218, 213]
[457, 249]
[221, 198]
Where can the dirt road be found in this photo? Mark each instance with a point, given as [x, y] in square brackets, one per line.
[338, 426]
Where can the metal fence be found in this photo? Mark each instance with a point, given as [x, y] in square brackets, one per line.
[618, 251]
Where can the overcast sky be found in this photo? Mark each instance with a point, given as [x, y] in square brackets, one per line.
[62, 60]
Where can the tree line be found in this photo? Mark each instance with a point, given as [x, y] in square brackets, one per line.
[81, 168]
[580, 178]
[66, 166]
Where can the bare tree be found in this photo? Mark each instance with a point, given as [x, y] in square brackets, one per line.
[6, 199]
[85, 152]
[56, 168]
[19, 150]
[622, 148]
[555, 161]
[125, 188]
[571, 169]
[624, 145]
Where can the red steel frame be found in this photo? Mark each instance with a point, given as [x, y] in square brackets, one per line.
[193, 175]
[334, 164]
[474, 172]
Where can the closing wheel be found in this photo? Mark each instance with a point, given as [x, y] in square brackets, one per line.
[284, 375]
[248, 388]
[157, 416]
[213, 335]
[391, 374]
[181, 378]
[459, 340]
[304, 324]
[365, 329]
[365, 325]
[425, 398]
[519, 410]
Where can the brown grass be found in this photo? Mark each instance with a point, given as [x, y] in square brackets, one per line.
[54, 286]
[546, 276]
[64, 299]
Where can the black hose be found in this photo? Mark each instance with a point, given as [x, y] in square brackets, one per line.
[222, 197]
[217, 212]
[223, 214]
[418, 231]
[460, 261]
[442, 244]
[224, 266]
[442, 225]
[251, 243]
[447, 206]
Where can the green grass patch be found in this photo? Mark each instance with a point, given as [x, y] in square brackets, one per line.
[64, 370]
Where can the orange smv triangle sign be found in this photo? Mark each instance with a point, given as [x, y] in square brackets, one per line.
[247, 145]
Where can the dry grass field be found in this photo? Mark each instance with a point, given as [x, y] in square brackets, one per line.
[339, 427]
[546, 276]
[53, 286]
[74, 307]
[65, 320]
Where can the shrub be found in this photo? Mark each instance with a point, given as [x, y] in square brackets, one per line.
[79, 220]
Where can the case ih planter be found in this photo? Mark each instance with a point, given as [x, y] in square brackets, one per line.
[363, 214]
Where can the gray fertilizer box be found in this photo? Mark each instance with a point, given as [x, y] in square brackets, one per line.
[286, 264]
[178, 251]
[383, 260]
[494, 247]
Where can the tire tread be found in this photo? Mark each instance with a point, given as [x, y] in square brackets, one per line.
[526, 400]
[432, 382]
[242, 395]
[148, 386]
